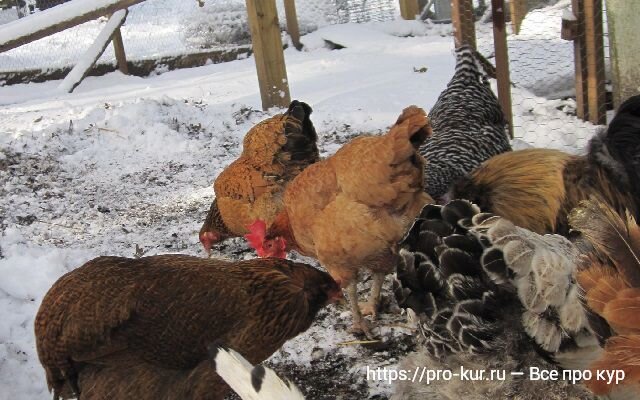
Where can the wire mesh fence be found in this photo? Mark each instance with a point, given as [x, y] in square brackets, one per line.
[170, 28]
[542, 65]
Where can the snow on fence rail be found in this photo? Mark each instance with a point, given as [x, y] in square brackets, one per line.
[56, 19]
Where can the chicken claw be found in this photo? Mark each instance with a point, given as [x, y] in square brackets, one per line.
[363, 326]
[360, 325]
[371, 306]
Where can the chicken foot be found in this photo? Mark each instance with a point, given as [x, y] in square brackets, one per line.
[360, 325]
[371, 306]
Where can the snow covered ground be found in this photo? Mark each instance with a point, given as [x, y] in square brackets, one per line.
[124, 166]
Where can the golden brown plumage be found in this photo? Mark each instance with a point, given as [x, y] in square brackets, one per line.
[120, 328]
[274, 152]
[610, 280]
[349, 210]
[537, 188]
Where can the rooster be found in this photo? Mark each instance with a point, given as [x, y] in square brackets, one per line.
[492, 295]
[274, 152]
[537, 188]
[468, 124]
[120, 328]
[349, 210]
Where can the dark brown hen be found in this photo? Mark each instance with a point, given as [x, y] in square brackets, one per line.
[120, 328]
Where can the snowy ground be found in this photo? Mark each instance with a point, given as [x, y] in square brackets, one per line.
[124, 166]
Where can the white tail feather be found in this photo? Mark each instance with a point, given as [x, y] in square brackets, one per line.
[240, 375]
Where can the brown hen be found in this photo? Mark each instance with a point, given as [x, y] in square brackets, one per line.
[120, 328]
[274, 152]
[349, 210]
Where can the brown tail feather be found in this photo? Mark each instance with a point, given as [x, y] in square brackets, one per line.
[612, 291]
[621, 353]
[617, 239]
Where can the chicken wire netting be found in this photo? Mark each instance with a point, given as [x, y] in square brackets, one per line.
[541, 66]
[164, 28]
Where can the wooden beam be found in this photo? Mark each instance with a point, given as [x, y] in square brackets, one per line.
[594, 44]
[518, 10]
[409, 9]
[267, 51]
[80, 71]
[292, 23]
[118, 48]
[580, 60]
[502, 60]
[142, 67]
[463, 22]
[56, 19]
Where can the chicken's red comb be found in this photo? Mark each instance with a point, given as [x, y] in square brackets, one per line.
[257, 231]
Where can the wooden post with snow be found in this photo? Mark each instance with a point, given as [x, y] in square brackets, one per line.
[464, 25]
[584, 27]
[56, 19]
[409, 9]
[292, 23]
[502, 60]
[518, 10]
[81, 69]
[594, 43]
[575, 25]
[267, 51]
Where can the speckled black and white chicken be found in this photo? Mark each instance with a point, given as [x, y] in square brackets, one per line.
[469, 126]
[490, 295]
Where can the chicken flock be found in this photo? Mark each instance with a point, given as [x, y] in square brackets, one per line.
[504, 260]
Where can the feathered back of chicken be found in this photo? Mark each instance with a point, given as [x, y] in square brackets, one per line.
[610, 279]
[469, 126]
[289, 138]
[395, 168]
[490, 295]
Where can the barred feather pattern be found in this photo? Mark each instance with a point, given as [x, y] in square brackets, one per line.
[489, 294]
[469, 126]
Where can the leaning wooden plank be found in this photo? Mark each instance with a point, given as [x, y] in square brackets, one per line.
[80, 71]
[56, 19]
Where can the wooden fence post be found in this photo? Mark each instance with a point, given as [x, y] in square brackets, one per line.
[267, 51]
[118, 48]
[594, 43]
[409, 9]
[463, 23]
[502, 61]
[292, 23]
[518, 10]
[580, 60]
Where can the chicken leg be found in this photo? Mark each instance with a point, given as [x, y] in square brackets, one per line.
[360, 325]
[371, 306]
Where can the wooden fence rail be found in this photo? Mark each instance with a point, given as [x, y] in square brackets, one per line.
[56, 19]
